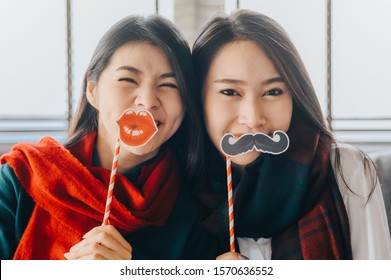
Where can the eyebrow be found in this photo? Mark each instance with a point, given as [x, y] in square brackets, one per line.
[273, 80]
[240, 82]
[138, 72]
[230, 81]
[130, 69]
[168, 75]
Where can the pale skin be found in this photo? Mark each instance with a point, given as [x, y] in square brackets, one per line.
[101, 243]
[139, 76]
[244, 93]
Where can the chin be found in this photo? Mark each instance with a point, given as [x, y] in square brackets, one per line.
[144, 150]
[245, 159]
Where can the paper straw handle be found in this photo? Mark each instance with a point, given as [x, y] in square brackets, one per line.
[112, 182]
[230, 206]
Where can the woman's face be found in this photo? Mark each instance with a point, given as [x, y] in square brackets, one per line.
[244, 93]
[139, 76]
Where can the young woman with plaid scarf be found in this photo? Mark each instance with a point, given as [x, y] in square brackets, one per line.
[319, 199]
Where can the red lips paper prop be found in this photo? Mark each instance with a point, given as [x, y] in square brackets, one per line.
[136, 128]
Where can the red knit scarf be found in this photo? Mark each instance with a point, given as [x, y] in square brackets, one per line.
[70, 195]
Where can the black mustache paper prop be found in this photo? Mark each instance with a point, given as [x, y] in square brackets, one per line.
[259, 141]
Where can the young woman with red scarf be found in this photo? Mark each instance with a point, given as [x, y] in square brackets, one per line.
[317, 200]
[53, 196]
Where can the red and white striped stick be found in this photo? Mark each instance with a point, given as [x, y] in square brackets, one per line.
[112, 181]
[230, 206]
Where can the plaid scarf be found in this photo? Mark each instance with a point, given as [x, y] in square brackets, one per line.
[292, 197]
[70, 195]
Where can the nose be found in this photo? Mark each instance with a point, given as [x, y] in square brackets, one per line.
[147, 98]
[251, 114]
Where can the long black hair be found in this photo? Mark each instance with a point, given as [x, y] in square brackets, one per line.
[163, 34]
[246, 25]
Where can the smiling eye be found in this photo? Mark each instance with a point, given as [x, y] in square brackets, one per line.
[129, 80]
[229, 92]
[273, 92]
[169, 85]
